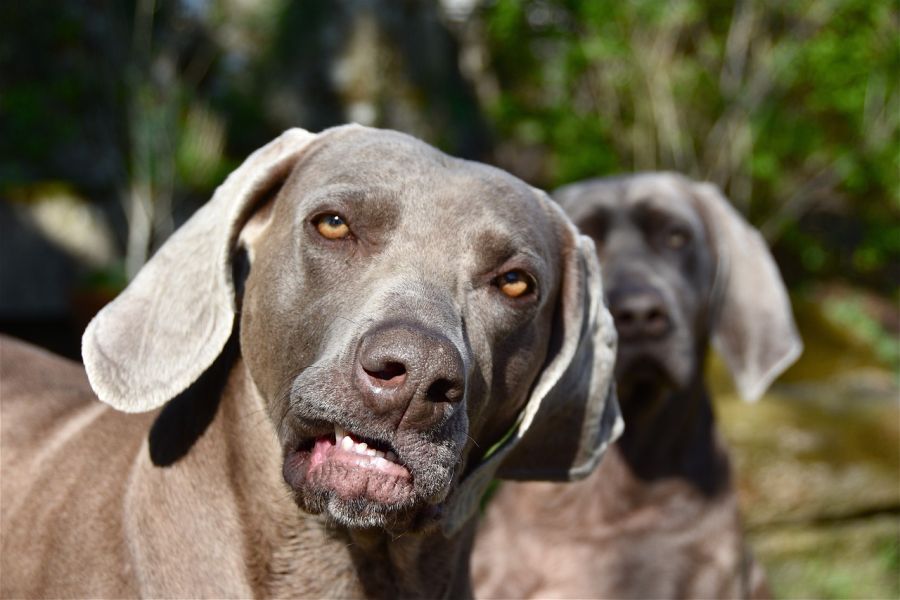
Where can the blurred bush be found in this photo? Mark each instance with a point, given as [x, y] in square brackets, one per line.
[144, 107]
[793, 108]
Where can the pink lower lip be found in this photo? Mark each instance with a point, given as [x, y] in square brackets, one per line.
[325, 450]
[349, 474]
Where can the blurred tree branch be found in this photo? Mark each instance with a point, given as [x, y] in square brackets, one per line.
[793, 109]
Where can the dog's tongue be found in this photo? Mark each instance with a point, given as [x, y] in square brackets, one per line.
[320, 451]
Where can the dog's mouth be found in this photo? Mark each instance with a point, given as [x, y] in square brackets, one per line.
[349, 466]
[642, 368]
[645, 371]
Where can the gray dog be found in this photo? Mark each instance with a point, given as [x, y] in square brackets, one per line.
[659, 517]
[334, 357]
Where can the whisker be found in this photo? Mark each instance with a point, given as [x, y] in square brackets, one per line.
[348, 319]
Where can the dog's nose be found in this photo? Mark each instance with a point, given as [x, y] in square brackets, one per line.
[639, 314]
[409, 374]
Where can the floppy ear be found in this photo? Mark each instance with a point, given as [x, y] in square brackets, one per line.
[171, 322]
[754, 329]
[572, 415]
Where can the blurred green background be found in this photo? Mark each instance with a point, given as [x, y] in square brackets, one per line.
[118, 119]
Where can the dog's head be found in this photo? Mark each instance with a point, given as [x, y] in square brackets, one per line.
[680, 265]
[415, 324]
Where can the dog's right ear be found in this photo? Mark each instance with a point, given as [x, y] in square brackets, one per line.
[172, 321]
[572, 414]
[754, 329]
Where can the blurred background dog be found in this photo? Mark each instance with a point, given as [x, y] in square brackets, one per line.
[659, 517]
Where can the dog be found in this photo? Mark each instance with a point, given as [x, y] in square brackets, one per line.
[659, 517]
[328, 364]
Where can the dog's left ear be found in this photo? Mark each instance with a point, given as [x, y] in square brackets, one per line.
[572, 414]
[754, 329]
[172, 321]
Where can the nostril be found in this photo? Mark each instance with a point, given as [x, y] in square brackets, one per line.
[391, 373]
[443, 390]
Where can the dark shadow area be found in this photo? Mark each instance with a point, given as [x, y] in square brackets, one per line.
[37, 278]
[187, 416]
[676, 439]
[61, 335]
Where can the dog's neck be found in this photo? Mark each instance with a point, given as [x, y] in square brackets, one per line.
[670, 433]
[286, 541]
[422, 565]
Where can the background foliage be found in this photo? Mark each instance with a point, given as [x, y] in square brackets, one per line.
[792, 107]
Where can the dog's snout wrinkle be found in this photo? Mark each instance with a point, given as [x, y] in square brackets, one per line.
[409, 374]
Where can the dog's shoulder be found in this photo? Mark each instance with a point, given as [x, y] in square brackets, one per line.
[48, 409]
[64, 459]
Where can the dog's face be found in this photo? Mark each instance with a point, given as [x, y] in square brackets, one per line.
[681, 267]
[414, 325]
[658, 272]
[392, 324]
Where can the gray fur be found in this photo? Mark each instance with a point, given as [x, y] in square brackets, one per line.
[249, 336]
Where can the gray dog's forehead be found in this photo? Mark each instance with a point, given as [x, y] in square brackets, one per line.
[392, 166]
[390, 157]
[665, 191]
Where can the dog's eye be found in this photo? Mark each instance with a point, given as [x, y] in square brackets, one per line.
[332, 227]
[677, 239]
[515, 283]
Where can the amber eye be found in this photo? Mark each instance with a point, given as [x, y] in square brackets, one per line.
[332, 227]
[677, 239]
[515, 284]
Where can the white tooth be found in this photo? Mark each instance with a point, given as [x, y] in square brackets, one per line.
[379, 453]
[347, 443]
[338, 433]
[379, 461]
[361, 448]
[370, 452]
[389, 455]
